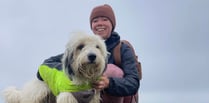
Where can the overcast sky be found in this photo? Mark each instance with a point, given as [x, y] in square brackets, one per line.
[171, 38]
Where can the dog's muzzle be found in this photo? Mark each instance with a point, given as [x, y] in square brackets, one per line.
[91, 57]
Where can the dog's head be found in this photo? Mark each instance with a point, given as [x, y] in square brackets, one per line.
[85, 56]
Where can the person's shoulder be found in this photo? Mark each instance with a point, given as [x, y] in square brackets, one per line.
[125, 44]
[127, 48]
[58, 56]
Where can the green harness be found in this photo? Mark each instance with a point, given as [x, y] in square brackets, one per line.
[58, 81]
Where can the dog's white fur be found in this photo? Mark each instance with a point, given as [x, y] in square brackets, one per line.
[86, 55]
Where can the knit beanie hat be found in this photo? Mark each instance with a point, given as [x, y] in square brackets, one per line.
[105, 11]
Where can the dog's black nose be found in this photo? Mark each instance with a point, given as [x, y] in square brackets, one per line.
[91, 57]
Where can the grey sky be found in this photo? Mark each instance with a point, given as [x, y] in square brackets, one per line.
[171, 38]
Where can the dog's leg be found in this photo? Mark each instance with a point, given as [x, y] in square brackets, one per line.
[50, 99]
[66, 98]
[12, 95]
[96, 98]
[35, 92]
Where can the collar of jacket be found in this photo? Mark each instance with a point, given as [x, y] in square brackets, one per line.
[112, 41]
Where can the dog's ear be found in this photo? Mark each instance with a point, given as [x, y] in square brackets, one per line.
[67, 60]
[107, 57]
[106, 61]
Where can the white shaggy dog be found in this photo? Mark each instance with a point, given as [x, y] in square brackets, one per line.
[83, 63]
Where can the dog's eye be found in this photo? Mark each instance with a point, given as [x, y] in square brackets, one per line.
[97, 46]
[80, 47]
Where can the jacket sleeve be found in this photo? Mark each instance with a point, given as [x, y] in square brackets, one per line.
[53, 62]
[129, 84]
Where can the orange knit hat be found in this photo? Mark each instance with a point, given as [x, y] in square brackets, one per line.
[103, 10]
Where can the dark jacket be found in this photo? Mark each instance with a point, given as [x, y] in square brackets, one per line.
[118, 86]
[130, 83]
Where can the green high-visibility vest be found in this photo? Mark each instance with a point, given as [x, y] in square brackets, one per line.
[59, 82]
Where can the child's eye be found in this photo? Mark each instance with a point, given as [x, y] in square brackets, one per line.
[95, 20]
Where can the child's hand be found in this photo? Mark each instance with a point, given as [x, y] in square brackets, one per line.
[101, 83]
